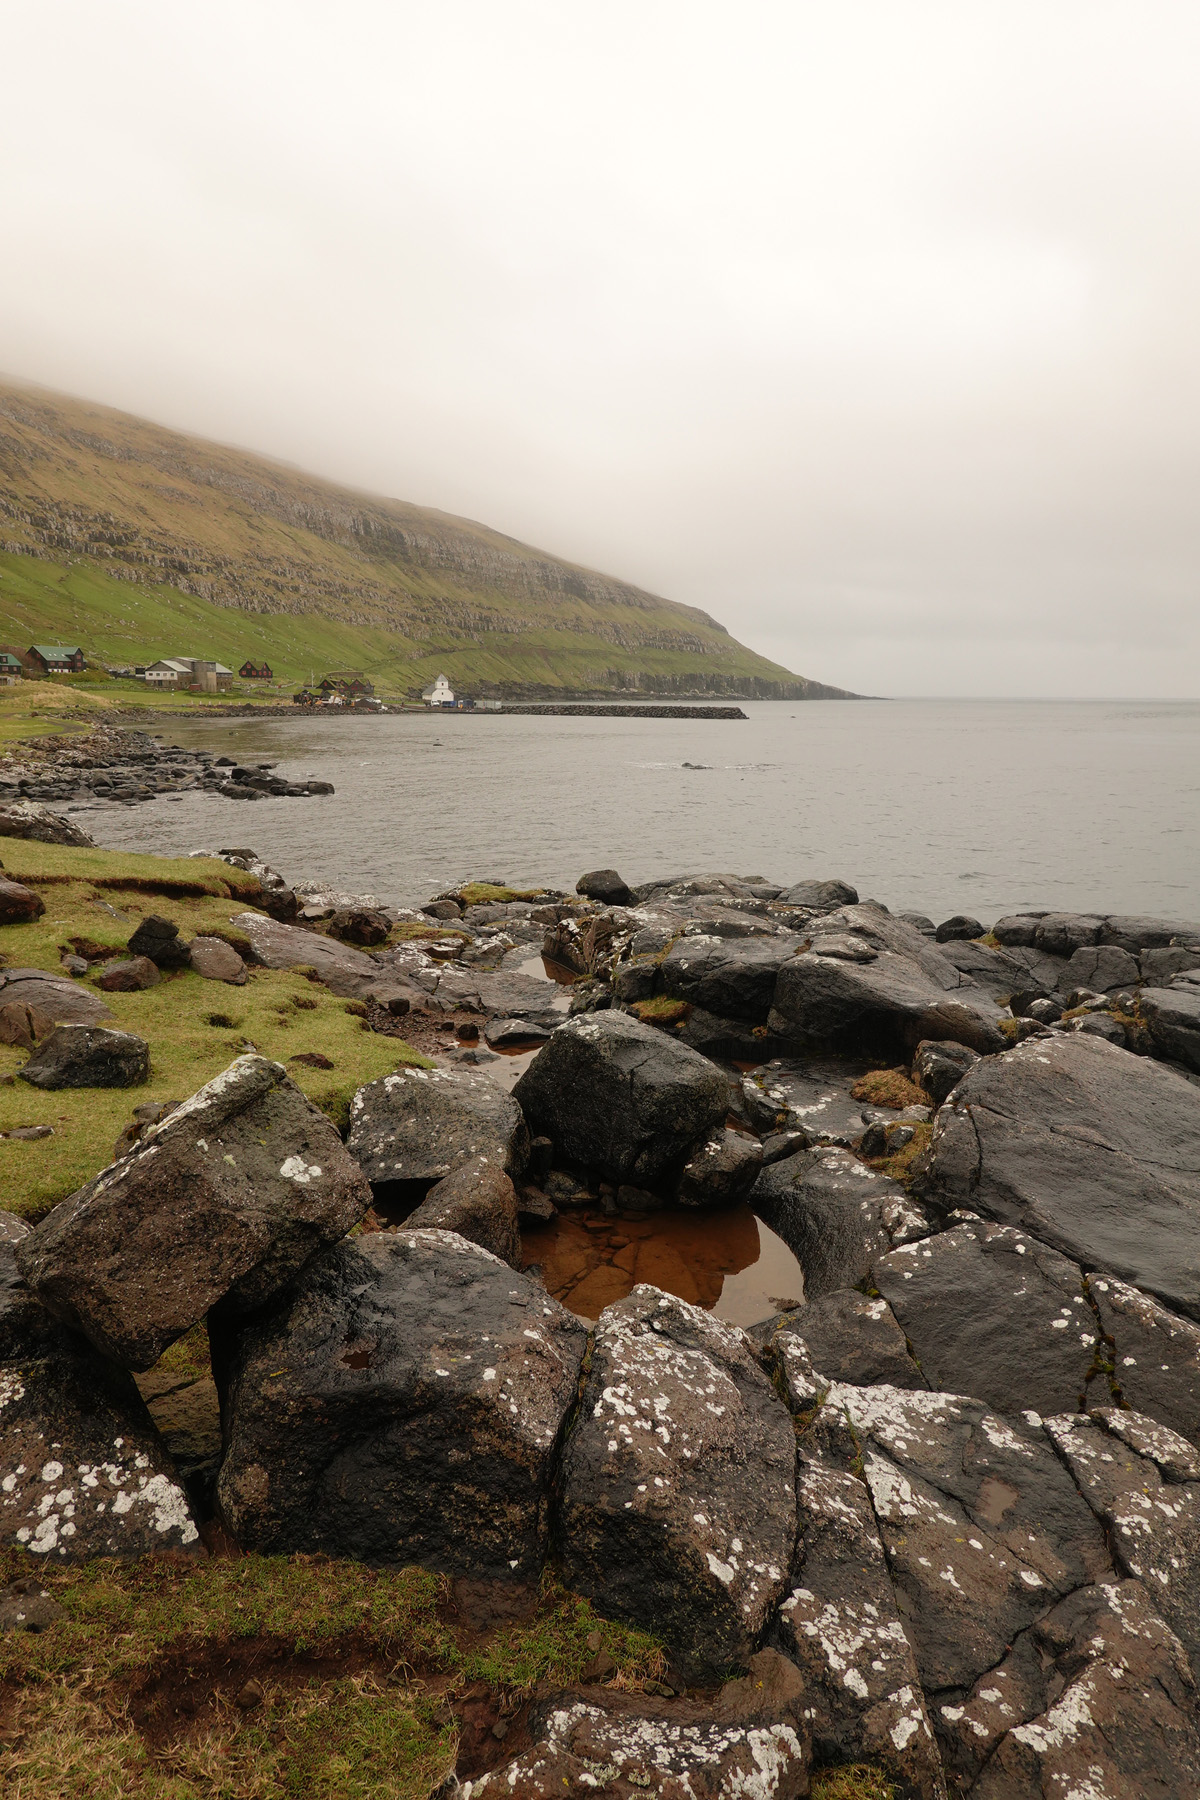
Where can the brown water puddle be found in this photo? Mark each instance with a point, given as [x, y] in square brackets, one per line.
[727, 1262]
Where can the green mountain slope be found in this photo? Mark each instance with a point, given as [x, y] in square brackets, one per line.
[141, 542]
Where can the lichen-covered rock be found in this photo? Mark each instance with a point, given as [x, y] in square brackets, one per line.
[843, 1336]
[73, 1056]
[628, 1746]
[1092, 1150]
[30, 819]
[982, 1526]
[812, 1098]
[479, 1202]
[82, 1470]
[1155, 1355]
[940, 1067]
[677, 1503]
[227, 1197]
[841, 1626]
[732, 977]
[1095, 1701]
[722, 1171]
[835, 1215]
[620, 1098]
[991, 1312]
[403, 1407]
[1143, 1481]
[411, 1129]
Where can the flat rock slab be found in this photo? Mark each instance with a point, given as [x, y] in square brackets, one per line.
[82, 1470]
[678, 1504]
[419, 1124]
[982, 1526]
[1096, 1700]
[620, 1098]
[1143, 1482]
[841, 1626]
[625, 1747]
[990, 1311]
[843, 1336]
[342, 968]
[227, 1197]
[404, 1407]
[1155, 1355]
[1173, 1017]
[1092, 1150]
[811, 1097]
[53, 995]
[835, 1215]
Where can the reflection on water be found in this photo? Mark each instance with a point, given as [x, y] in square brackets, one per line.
[726, 1261]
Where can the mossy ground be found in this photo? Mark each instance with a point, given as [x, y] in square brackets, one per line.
[194, 1027]
[889, 1087]
[133, 1691]
[661, 1010]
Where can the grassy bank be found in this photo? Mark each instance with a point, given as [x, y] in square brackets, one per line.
[94, 900]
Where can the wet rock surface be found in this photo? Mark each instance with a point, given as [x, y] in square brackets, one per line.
[617, 1096]
[847, 1337]
[834, 1214]
[677, 1506]
[413, 1128]
[227, 1197]
[404, 1407]
[1091, 1150]
[479, 1202]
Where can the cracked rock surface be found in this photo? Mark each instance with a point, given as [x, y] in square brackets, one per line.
[678, 1507]
[418, 1125]
[834, 1214]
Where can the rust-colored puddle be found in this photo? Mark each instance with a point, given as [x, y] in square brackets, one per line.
[726, 1261]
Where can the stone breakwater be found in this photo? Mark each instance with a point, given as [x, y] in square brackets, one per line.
[945, 1509]
[128, 766]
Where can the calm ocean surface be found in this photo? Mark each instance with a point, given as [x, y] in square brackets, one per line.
[943, 806]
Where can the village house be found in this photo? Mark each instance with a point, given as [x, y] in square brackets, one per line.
[253, 671]
[11, 668]
[57, 659]
[351, 684]
[191, 672]
[440, 694]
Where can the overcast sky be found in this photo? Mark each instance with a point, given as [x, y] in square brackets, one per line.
[872, 328]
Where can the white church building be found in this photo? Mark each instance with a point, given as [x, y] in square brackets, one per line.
[440, 694]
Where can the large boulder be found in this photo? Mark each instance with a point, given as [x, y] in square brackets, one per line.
[130, 976]
[403, 1407]
[677, 1506]
[55, 996]
[842, 1627]
[821, 896]
[227, 1197]
[342, 968]
[479, 1202]
[871, 983]
[216, 960]
[1092, 1150]
[731, 977]
[19, 904]
[834, 1214]
[1094, 1699]
[412, 1129]
[30, 819]
[1172, 1017]
[606, 886]
[75, 1056]
[620, 1098]
[159, 940]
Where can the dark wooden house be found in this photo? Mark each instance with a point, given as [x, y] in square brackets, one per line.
[57, 659]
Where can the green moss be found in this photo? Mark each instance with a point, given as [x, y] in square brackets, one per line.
[889, 1087]
[852, 1781]
[660, 1009]
[486, 893]
[903, 1165]
[361, 1724]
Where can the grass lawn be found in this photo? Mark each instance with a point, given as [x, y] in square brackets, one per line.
[194, 1027]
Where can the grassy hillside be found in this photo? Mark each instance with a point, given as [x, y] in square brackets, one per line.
[141, 542]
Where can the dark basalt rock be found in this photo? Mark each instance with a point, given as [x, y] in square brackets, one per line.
[1088, 1148]
[1143, 1482]
[128, 977]
[1097, 1698]
[835, 1215]
[821, 896]
[962, 925]
[731, 977]
[403, 1407]
[840, 1625]
[619, 1097]
[19, 904]
[413, 1128]
[812, 1098]
[226, 1198]
[982, 1526]
[216, 960]
[1101, 967]
[88, 1056]
[940, 1067]
[53, 995]
[606, 886]
[159, 939]
[722, 1171]
[678, 1506]
[1172, 1017]
[479, 1202]
[844, 1336]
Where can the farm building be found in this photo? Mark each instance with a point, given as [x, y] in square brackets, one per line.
[57, 659]
[252, 671]
[188, 672]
